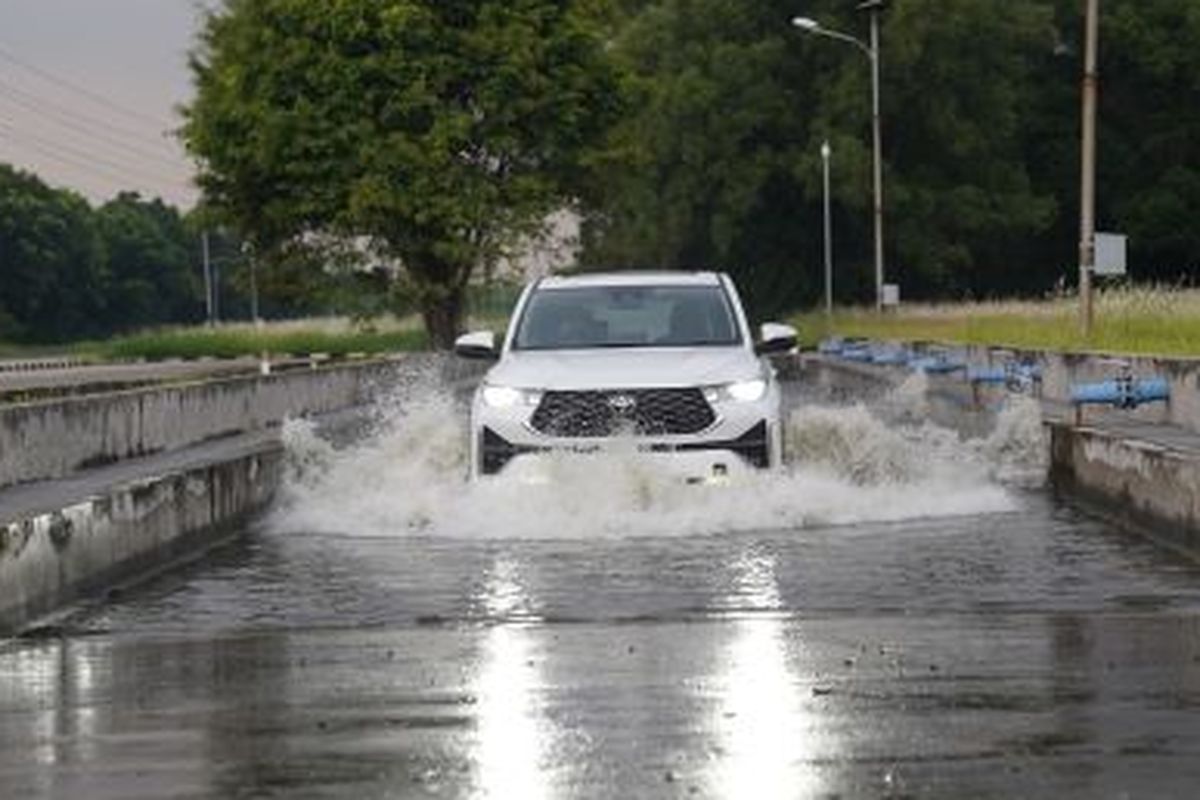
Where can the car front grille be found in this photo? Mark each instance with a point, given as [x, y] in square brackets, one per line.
[639, 412]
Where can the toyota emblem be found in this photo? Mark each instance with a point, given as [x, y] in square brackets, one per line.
[622, 403]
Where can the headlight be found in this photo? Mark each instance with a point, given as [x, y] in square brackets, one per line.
[740, 392]
[507, 397]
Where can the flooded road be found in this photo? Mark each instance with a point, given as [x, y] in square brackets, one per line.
[904, 613]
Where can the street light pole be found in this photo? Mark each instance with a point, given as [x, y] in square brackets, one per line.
[809, 25]
[826, 152]
[874, 7]
[1087, 205]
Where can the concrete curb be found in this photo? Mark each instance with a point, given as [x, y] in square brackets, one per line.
[51, 560]
[1155, 487]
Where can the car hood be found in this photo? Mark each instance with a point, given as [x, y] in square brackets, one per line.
[624, 368]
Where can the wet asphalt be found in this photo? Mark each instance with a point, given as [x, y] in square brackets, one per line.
[1040, 653]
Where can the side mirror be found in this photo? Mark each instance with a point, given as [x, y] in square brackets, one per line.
[776, 339]
[480, 346]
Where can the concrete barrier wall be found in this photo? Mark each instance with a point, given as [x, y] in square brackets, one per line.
[49, 561]
[49, 440]
[1155, 486]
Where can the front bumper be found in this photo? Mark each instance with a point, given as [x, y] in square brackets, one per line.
[753, 448]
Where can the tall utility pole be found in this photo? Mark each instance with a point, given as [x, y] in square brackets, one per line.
[249, 255]
[208, 278]
[874, 7]
[826, 152]
[1087, 200]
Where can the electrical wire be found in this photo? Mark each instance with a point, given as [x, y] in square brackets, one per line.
[99, 166]
[108, 103]
[78, 124]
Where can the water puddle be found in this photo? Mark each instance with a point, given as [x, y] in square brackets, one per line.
[847, 465]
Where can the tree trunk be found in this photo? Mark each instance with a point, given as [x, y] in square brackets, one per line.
[443, 318]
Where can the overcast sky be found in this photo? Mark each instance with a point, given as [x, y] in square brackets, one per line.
[88, 92]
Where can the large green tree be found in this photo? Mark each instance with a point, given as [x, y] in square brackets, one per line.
[702, 173]
[152, 266]
[430, 134]
[1150, 134]
[960, 81]
[52, 266]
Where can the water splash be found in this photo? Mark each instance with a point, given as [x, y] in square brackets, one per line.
[849, 466]
[1018, 448]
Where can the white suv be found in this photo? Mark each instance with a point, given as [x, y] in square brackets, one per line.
[660, 363]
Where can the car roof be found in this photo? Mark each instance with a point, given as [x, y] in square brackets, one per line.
[630, 278]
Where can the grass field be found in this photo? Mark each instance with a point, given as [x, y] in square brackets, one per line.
[332, 336]
[1148, 321]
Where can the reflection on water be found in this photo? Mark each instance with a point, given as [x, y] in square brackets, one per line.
[31, 678]
[764, 729]
[511, 740]
[59, 680]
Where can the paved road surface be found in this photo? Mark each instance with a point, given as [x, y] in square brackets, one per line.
[1032, 654]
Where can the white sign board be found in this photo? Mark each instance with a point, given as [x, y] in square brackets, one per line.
[1110, 253]
[891, 294]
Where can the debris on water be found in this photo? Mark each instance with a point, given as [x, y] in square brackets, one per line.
[822, 691]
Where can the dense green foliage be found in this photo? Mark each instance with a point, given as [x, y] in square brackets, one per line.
[151, 257]
[52, 261]
[69, 271]
[719, 164]
[423, 133]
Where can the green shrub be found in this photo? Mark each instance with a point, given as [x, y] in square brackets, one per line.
[235, 341]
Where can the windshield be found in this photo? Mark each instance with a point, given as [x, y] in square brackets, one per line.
[627, 316]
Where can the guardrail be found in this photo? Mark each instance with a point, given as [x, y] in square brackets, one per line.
[40, 364]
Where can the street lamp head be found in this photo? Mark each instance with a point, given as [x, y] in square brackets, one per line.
[826, 151]
[805, 23]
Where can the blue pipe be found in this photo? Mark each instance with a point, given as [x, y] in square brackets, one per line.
[1014, 375]
[987, 375]
[940, 365]
[890, 357]
[856, 353]
[1029, 372]
[1122, 392]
